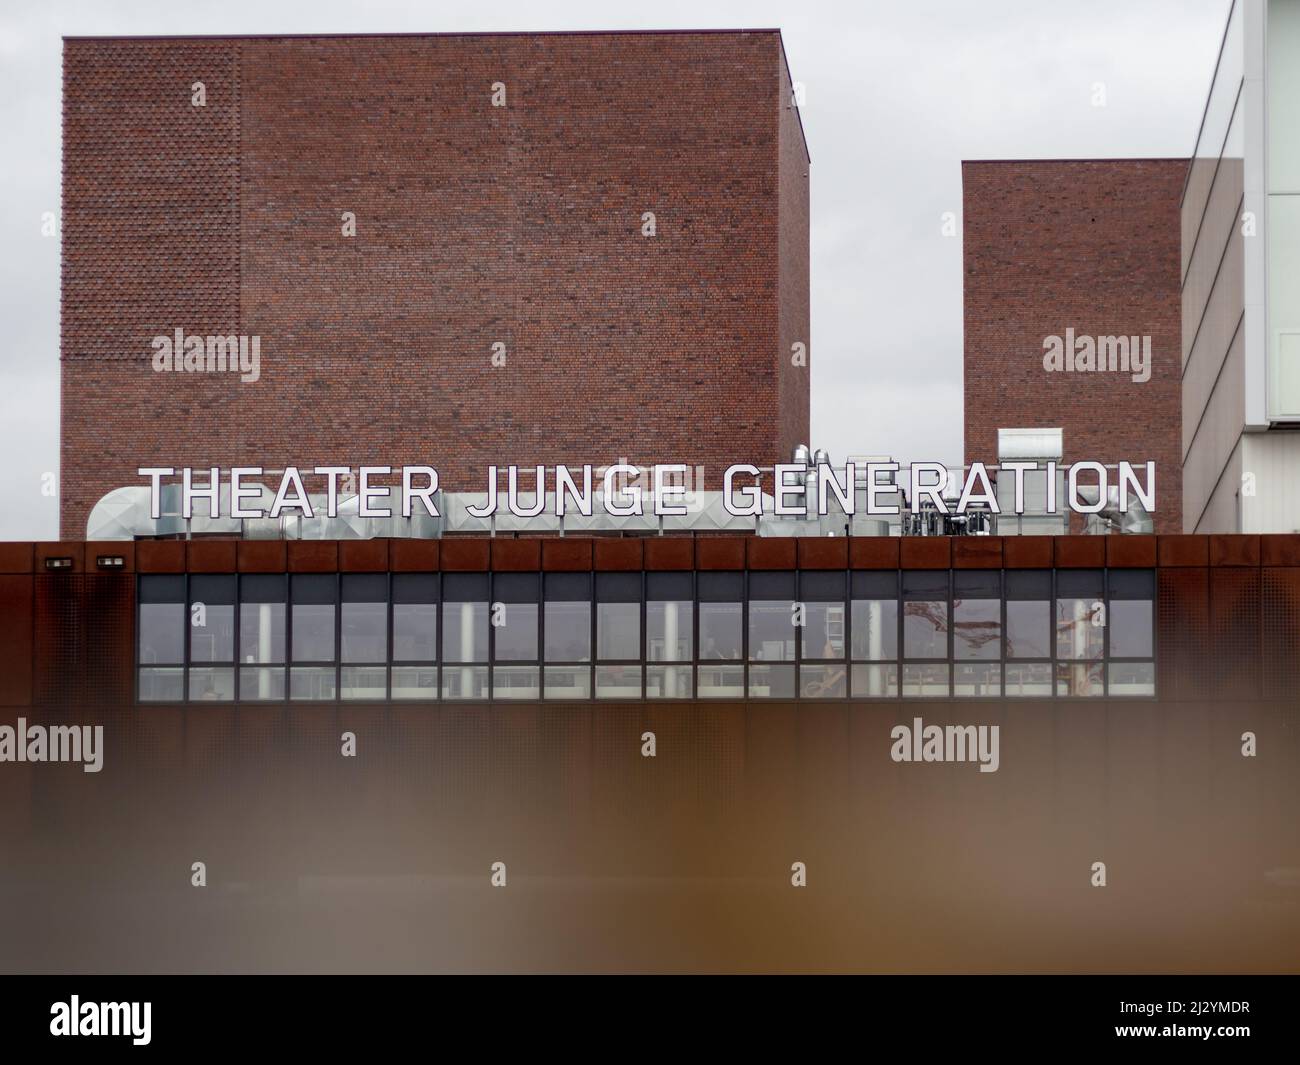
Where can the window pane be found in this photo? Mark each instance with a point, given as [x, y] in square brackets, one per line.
[977, 628]
[212, 619]
[465, 682]
[823, 682]
[162, 685]
[313, 632]
[1283, 249]
[721, 682]
[1079, 629]
[1029, 626]
[922, 585]
[364, 682]
[875, 682]
[925, 681]
[720, 633]
[515, 682]
[925, 629]
[365, 632]
[977, 679]
[261, 633]
[817, 586]
[1132, 584]
[668, 682]
[516, 635]
[771, 631]
[618, 682]
[162, 633]
[214, 639]
[669, 631]
[875, 629]
[261, 682]
[823, 631]
[313, 598]
[1079, 678]
[568, 631]
[1029, 678]
[1131, 678]
[618, 631]
[415, 632]
[771, 682]
[210, 684]
[415, 682]
[1130, 628]
[568, 682]
[312, 683]
[464, 635]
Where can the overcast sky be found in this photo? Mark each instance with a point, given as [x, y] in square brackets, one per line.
[897, 94]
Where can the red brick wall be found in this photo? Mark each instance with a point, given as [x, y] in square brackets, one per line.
[1092, 245]
[150, 242]
[795, 327]
[474, 225]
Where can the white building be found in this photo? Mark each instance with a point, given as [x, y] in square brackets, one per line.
[1241, 283]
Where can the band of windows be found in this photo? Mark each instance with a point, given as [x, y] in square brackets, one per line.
[708, 635]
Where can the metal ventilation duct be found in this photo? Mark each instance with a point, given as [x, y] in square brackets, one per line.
[1028, 445]
[1137, 519]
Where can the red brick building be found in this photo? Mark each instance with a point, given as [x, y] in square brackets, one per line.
[498, 187]
[1090, 246]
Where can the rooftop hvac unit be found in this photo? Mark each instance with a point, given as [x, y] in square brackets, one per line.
[1031, 445]
[864, 524]
[1135, 520]
[860, 463]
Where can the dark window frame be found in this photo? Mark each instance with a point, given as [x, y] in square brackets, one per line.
[733, 587]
